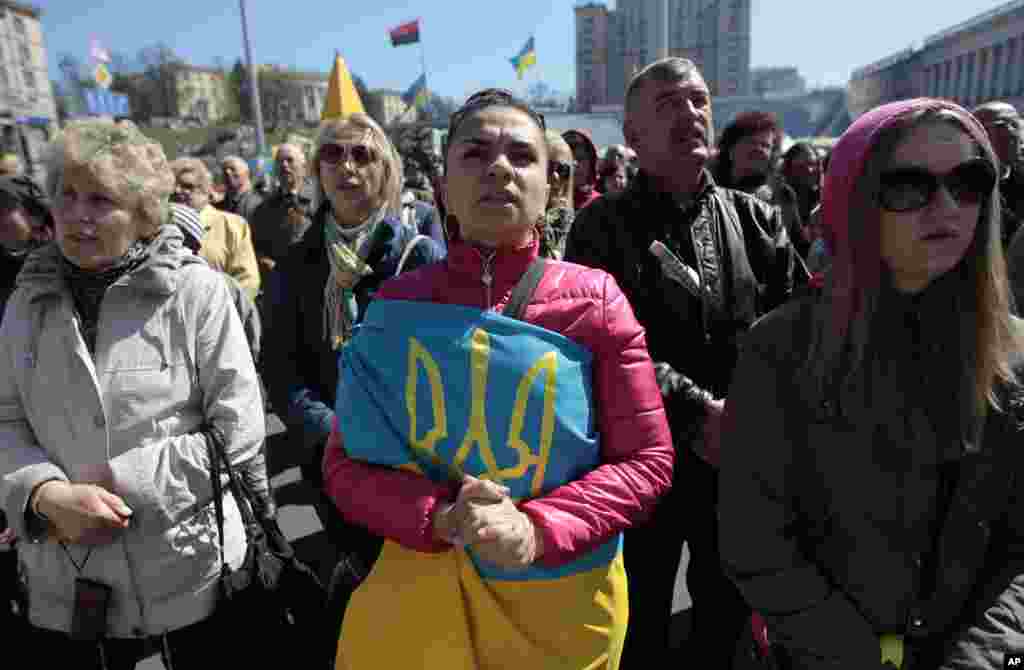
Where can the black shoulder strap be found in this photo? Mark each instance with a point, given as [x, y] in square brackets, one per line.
[523, 290]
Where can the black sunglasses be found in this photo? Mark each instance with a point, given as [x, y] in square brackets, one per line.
[361, 155]
[561, 169]
[907, 189]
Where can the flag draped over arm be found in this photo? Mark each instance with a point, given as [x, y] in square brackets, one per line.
[526, 57]
[407, 33]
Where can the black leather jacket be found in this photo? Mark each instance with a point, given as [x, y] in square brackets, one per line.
[744, 270]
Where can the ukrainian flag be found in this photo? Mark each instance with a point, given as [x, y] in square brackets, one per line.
[525, 58]
[417, 94]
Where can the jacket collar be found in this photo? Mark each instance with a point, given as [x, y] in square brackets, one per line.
[158, 275]
[644, 190]
[508, 264]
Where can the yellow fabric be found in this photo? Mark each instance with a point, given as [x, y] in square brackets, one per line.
[342, 97]
[418, 610]
[892, 649]
[227, 246]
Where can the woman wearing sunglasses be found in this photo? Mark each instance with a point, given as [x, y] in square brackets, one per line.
[356, 241]
[871, 506]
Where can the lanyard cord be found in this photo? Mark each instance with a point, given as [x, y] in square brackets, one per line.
[71, 558]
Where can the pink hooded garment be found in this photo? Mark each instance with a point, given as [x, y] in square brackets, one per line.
[849, 278]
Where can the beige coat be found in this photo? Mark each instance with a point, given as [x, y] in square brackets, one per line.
[227, 246]
[170, 356]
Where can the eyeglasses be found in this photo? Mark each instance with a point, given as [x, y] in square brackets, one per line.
[360, 154]
[911, 188]
[561, 169]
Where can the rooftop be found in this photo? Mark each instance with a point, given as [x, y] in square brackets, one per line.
[975, 22]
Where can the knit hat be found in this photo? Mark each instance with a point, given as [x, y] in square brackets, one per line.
[187, 219]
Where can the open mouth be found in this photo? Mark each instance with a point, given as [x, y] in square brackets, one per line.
[941, 235]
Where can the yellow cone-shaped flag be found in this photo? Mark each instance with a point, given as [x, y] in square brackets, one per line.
[342, 97]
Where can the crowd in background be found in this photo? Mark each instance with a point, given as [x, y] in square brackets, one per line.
[800, 360]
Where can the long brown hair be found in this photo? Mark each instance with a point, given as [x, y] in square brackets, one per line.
[977, 304]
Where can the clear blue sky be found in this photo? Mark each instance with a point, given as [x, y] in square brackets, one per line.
[467, 43]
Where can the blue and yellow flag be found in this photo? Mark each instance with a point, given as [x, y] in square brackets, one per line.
[417, 94]
[525, 58]
[443, 390]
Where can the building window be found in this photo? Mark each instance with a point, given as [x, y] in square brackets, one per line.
[969, 79]
[1011, 56]
[979, 93]
[997, 66]
[19, 25]
[26, 55]
[30, 78]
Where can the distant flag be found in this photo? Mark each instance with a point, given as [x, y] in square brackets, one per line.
[342, 97]
[102, 76]
[525, 58]
[417, 94]
[97, 52]
[407, 33]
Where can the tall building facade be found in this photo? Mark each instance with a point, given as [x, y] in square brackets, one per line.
[613, 44]
[25, 90]
[591, 55]
[973, 62]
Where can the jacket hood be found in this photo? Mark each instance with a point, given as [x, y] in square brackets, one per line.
[42, 272]
[852, 273]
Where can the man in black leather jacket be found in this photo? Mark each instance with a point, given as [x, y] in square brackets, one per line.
[735, 270]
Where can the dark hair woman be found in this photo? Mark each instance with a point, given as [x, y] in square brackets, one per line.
[500, 453]
[870, 501]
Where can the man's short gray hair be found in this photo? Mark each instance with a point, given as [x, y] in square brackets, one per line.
[666, 70]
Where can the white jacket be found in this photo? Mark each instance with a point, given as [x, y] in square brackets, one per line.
[170, 356]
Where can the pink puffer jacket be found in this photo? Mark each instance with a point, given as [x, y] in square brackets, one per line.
[587, 306]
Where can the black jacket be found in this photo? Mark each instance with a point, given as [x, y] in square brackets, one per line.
[244, 205]
[745, 272]
[839, 530]
[300, 368]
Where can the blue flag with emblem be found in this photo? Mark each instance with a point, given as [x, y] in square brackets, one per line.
[447, 390]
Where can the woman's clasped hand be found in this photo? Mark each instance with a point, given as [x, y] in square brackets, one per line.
[485, 518]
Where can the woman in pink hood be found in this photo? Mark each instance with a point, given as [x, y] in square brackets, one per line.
[870, 506]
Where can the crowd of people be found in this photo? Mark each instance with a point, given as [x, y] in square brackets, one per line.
[520, 376]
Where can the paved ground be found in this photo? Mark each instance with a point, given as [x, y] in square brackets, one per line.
[299, 522]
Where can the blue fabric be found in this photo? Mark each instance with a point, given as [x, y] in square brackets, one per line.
[447, 389]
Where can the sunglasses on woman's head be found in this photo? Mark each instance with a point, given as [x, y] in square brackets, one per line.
[907, 189]
[561, 169]
[360, 154]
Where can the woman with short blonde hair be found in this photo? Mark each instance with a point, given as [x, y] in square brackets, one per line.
[120, 348]
[128, 165]
[355, 242]
[390, 193]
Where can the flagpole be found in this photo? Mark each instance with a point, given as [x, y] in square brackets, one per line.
[423, 63]
[254, 87]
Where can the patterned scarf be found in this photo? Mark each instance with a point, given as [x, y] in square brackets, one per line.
[347, 249]
[88, 288]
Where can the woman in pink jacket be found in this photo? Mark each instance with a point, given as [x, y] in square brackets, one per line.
[514, 405]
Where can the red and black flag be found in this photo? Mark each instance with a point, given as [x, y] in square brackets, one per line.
[407, 33]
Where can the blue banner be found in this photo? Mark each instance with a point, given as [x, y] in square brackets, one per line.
[101, 102]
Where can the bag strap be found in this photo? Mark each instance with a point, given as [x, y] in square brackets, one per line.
[522, 292]
[243, 494]
[408, 251]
